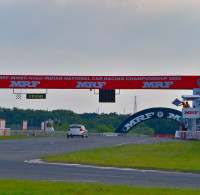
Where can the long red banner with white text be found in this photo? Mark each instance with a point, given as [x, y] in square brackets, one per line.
[99, 82]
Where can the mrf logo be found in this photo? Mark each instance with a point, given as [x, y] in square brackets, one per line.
[191, 112]
[90, 84]
[157, 84]
[30, 84]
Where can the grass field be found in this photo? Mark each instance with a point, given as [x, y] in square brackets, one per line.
[177, 156]
[17, 187]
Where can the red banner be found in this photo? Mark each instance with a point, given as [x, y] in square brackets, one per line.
[25, 125]
[99, 82]
[42, 126]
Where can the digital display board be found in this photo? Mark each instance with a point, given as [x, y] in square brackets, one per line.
[106, 95]
[36, 96]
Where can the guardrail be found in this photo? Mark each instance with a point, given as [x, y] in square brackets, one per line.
[36, 132]
[63, 133]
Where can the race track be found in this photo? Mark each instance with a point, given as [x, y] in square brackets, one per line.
[16, 162]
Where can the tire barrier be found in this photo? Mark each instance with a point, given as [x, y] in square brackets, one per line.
[147, 114]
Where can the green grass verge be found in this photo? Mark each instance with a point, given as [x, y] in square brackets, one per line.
[18, 187]
[179, 156]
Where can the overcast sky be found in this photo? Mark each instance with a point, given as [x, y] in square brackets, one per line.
[99, 37]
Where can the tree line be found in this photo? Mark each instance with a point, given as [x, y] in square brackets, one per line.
[93, 122]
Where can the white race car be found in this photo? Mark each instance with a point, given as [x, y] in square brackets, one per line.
[77, 130]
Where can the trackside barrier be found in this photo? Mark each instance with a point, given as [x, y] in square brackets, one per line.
[2, 132]
[63, 133]
[194, 135]
[36, 132]
[2, 127]
[7, 132]
[109, 134]
[163, 135]
[123, 134]
[117, 134]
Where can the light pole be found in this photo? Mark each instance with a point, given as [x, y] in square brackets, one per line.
[56, 120]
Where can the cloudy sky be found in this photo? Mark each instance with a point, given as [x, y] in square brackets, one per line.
[99, 37]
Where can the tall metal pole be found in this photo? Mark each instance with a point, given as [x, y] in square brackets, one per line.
[135, 105]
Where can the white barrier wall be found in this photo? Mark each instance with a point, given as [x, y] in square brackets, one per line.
[188, 135]
[2, 127]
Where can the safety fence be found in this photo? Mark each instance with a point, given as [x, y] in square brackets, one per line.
[193, 135]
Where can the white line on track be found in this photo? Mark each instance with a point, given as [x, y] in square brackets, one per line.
[77, 181]
[39, 161]
[125, 143]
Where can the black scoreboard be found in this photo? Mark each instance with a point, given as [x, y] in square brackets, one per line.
[107, 95]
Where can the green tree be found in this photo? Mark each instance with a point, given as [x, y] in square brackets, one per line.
[103, 129]
[143, 129]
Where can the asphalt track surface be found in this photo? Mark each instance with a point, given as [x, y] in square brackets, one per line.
[17, 162]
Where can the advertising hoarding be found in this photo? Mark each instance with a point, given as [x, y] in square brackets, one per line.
[49, 126]
[25, 125]
[99, 82]
[42, 126]
[191, 113]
